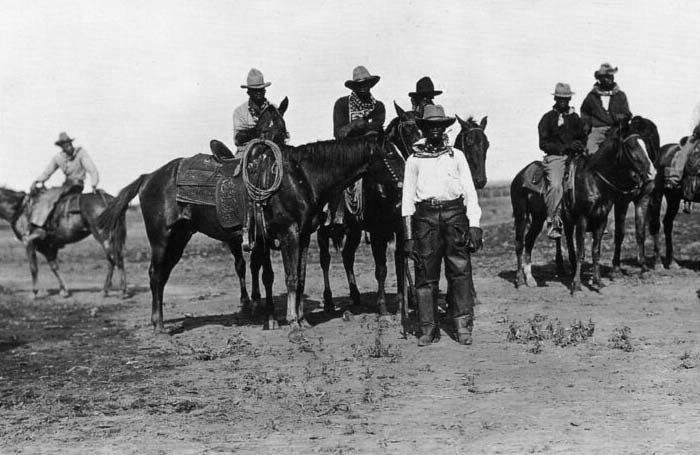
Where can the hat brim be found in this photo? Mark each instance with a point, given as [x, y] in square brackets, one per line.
[432, 93]
[65, 141]
[566, 95]
[435, 121]
[599, 73]
[372, 81]
[266, 84]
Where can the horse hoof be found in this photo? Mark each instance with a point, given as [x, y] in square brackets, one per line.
[271, 324]
[304, 324]
[576, 287]
[616, 273]
[673, 265]
[597, 286]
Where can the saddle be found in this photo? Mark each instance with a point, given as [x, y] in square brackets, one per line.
[214, 180]
[533, 178]
[48, 207]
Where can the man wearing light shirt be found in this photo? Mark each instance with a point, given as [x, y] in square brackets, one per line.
[441, 221]
[75, 164]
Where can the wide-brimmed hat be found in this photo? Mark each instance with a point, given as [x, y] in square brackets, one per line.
[434, 115]
[360, 75]
[63, 138]
[563, 90]
[424, 87]
[255, 79]
[605, 68]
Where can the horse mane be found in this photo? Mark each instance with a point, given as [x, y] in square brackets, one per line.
[343, 152]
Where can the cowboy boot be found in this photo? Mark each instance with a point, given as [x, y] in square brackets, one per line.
[463, 326]
[426, 313]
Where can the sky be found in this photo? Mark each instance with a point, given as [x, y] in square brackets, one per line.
[138, 83]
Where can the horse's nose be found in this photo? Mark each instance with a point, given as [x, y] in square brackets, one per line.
[480, 183]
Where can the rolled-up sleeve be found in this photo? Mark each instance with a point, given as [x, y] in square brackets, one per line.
[471, 199]
[90, 168]
[48, 172]
[408, 197]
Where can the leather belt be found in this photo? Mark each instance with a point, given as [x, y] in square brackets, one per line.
[440, 204]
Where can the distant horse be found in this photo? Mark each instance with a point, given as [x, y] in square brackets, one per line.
[310, 173]
[673, 200]
[69, 228]
[381, 214]
[641, 197]
[621, 165]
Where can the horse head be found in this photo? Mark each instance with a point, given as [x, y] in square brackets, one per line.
[10, 203]
[649, 133]
[272, 125]
[474, 143]
[403, 131]
[626, 151]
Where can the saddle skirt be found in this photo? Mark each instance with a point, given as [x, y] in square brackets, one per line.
[533, 178]
[205, 180]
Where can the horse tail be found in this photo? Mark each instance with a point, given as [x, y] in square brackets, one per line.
[114, 215]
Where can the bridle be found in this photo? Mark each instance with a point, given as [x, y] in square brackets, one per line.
[622, 152]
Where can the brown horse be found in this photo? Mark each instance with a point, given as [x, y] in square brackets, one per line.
[620, 166]
[381, 215]
[69, 228]
[310, 173]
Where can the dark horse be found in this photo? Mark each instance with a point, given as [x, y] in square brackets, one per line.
[673, 200]
[310, 173]
[621, 165]
[69, 229]
[381, 214]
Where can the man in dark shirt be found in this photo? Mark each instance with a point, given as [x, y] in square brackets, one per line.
[605, 106]
[424, 95]
[561, 133]
[356, 115]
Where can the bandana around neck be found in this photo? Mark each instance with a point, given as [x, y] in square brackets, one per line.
[425, 150]
[255, 111]
[601, 92]
[359, 108]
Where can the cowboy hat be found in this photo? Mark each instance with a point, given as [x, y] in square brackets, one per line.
[562, 90]
[255, 80]
[63, 138]
[424, 87]
[434, 115]
[605, 68]
[360, 75]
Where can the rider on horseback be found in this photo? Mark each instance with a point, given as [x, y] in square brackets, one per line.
[604, 107]
[424, 94]
[440, 206]
[355, 115]
[75, 163]
[246, 116]
[561, 134]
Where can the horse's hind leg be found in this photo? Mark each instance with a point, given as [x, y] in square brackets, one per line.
[351, 243]
[520, 226]
[530, 238]
[620, 215]
[33, 269]
[655, 225]
[595, 256]
[672, 204]
[323, 240]
[239, 261]
[164, 255]
[378, 244]
[641, 211]
[53, 264]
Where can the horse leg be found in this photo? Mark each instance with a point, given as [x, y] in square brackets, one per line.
[378, 244]
[352, 241]
[655, 225]
[304, 241]
[33, 269]
[571, 249]
[595, 256]
[530, 238]
[558, 257]
[164, 256]
[580, 253]
[325, 258]
[290, 257]
[256, 261]
[51, 254]
[119, 260]
[620, 215]
[520, 226]
[268, 278]
[235, 246]
[672, 205]
[641, 210]
[399, 268]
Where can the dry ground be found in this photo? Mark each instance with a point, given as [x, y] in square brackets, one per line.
[86, 374]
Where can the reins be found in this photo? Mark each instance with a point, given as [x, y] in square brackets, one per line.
[638, 186]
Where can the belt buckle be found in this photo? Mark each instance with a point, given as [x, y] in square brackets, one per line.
[436, 202]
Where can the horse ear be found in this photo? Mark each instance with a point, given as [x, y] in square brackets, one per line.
[400, 112]
[483, 122]
[464, 124]
[283, 106]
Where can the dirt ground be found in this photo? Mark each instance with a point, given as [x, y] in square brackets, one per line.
[86, 374]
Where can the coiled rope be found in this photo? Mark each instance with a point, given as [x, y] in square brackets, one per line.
[258, 194]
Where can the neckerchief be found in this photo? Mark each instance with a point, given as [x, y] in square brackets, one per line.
[358, 108]
[72, 157]
[598, 91]
[560, 118]
[255, 111]
[424, 150]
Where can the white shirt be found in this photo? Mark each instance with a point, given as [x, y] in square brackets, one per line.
[242, 120]
[75, 168]
[605, 100]
[443, 178]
